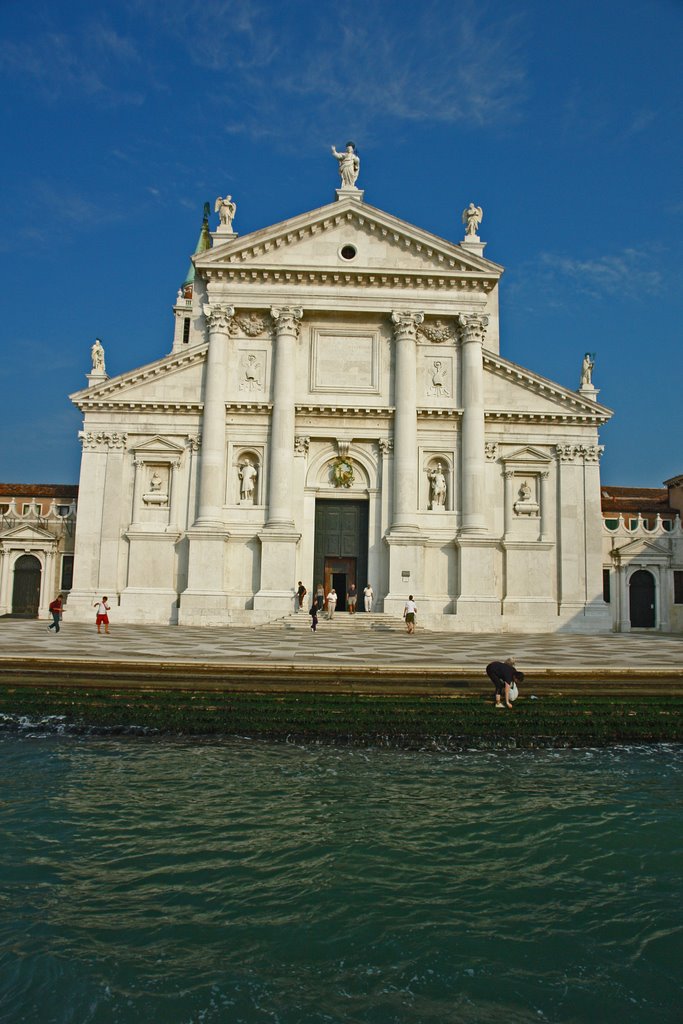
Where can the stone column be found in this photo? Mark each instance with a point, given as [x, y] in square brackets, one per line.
[545, 507]
[173, 496]
[509, 477]
[404, 510]
[212, 459]
[282, 423]
[473, 328]
[137, 490]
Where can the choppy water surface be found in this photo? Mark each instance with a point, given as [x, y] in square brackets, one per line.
[161, 881]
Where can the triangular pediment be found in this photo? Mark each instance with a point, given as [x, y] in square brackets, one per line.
[173, 380]
[512, 389]
[157, 445]
[27, 533]
[315, 241]
[527, 456]
[643, 549]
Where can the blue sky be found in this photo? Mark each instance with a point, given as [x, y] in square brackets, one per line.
[562, 120]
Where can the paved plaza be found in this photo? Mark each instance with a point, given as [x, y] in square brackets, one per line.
[373, 646]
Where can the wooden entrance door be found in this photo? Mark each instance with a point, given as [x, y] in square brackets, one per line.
[339, 573]
[642, 600]
[26, 589]
[341, 546]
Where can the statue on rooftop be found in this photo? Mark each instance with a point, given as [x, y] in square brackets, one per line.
[226, 210]
[349, 165]
[472, 218]
[587, 370]
[97, 356]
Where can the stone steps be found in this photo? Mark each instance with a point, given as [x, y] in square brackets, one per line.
[343, 622]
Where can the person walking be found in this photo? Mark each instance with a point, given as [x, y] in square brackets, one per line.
[301, 593]
[314, 616]
[56, 610]
[331, 603]
[102, 617]
[502, 674]
[320, 597]
[368, 597]
[351, 598]
[409, 613]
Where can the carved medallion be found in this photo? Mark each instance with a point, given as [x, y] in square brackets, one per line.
[342, 473]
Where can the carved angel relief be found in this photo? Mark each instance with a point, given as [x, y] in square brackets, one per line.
[436, 332]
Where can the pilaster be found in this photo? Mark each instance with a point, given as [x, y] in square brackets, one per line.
[472, 331]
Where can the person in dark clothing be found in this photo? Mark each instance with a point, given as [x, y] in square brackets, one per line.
[56, 609]
[502, 674]
[301, 593]
[314, 616]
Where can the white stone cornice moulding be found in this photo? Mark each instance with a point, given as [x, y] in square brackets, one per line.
[345, 410]
[192, 408]
[162, 367]
[510, 416]
[542, 386]
[404, 235]
[335, 277]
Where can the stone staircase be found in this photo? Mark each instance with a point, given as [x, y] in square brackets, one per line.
[343, 623]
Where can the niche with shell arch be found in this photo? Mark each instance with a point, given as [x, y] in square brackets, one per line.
[247, 476]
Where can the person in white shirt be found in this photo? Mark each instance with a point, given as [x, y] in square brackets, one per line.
[368, 597]
[331, 602]
[102, 619]
[409, 613]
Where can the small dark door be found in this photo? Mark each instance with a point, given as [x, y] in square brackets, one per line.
[642, 599]
[339, 573]
[26, 590]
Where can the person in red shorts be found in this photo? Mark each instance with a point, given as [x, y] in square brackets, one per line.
[102, 618]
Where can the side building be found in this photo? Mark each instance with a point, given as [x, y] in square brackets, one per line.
[37, 533]
[642, 556]
[335, 408]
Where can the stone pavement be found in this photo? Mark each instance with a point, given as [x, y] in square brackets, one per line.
[357, 648]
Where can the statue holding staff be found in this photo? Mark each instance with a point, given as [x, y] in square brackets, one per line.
[349, 165]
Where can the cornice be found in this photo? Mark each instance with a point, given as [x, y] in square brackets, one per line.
[335, 277]
[87, 396]
[585, 410]
[578, 417]
[94, 404]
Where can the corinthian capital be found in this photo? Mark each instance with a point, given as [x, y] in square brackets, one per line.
[406, 324]
[287, 319]
[473, 326]
[219, 318]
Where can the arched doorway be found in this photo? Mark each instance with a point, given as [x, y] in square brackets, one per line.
[642, 599]
[26, 590]
[341, 546]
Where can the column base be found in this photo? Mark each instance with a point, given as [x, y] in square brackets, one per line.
[278, 571]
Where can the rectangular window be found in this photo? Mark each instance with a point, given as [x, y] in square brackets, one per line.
[678, 586]
[67, 572]
[186, 330]
[605, 586]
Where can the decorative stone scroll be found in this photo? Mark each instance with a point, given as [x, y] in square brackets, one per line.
[473, 326]
[491, 451]
[385, 445]
[302, 444]
[194, 442]
[102, 440]
[287, 319]
[219, 318]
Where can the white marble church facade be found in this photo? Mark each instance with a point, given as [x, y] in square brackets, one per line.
[335, 402]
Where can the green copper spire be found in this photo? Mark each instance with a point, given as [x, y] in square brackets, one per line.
[203, 243]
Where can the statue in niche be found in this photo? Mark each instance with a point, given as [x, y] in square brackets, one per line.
[438, 386]
[155, 483]
[349, 165]
[587, 370]
[226, 210]
[437, 488]
[97, 356]
[472, 218]
[252, 378]
[247, 474]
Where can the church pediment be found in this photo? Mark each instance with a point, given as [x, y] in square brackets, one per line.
[346, 238]
[174, 381]
[642, 549]
[512, 390]
[157, 445]
[527, 456]
[26, 533]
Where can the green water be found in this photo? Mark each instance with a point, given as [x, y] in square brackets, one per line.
[191, 883]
